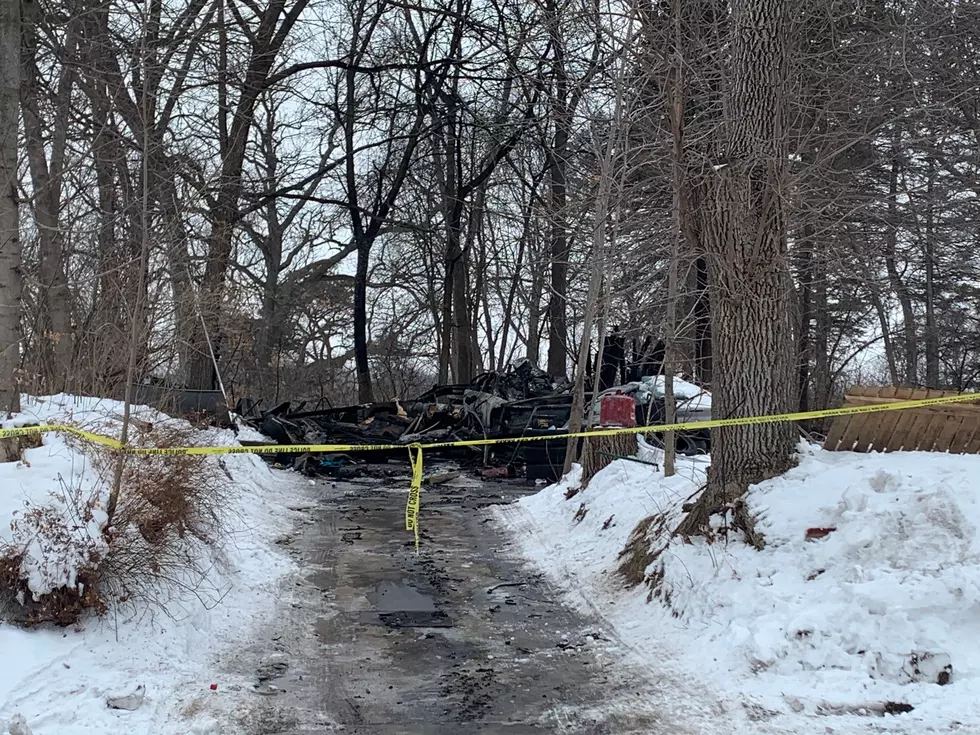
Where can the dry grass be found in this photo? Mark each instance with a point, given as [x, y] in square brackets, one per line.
[159, 545]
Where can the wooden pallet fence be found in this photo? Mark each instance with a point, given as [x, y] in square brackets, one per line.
[953, 428]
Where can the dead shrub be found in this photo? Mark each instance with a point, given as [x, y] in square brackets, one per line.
[638, 554]
[167, 522]
[62, 607]
[160, 544]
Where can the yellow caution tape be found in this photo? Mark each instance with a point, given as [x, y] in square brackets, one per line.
[414, 493]
[63, 429]
[416, 450]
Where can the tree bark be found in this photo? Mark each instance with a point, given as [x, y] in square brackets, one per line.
[743, 231]
[55, 296]
[676, 98]
[10, 247]
[362, 366]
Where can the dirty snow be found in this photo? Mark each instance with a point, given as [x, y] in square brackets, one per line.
[804, 635]
[59, 680]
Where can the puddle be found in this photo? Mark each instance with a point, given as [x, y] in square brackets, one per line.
[401, 606]
[395, 597]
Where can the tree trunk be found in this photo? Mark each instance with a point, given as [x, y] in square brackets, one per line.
[821, 331]
[743, 232]
[534, 317]
[676, 93]
[557, 304]
[558, 180]
[362, 367]
[597, 266]
[10, 248]
[523, 243]
[577, 412]
[55, 297]
[268, 327]
[931, 335]
[805, 321]
[898, 286]
[886, 339]
[178, 265]
[450, 328]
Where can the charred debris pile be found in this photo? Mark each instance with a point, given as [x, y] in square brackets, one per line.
[522, 402]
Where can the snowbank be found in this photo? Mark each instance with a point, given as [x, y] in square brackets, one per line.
[806, 634]
[59, 679]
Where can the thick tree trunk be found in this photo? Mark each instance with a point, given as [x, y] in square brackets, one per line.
[269, 328]
[462, 329]
[10, 249]
[886, 338]
[450, 332]
[55, 296]
[743, 231]
[676, 97]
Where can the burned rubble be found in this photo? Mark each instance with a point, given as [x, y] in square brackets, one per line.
[521, 402]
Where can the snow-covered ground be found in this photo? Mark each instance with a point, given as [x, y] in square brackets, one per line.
[806, 634]
[58, 680]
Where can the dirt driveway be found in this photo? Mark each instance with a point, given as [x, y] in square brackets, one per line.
[462, 638]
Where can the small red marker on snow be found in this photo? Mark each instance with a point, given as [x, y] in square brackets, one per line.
[812, 534]
[214, 687]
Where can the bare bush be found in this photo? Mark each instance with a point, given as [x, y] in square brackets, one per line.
[160, 545]
[167, 524]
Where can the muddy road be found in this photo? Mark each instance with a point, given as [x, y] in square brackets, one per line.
[461, 638]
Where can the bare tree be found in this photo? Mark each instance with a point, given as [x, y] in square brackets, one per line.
[10, 251]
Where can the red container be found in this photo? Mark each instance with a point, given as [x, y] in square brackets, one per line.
[617, 410]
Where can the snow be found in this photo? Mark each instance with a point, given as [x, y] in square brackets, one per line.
[693, 403]
[805, 634]
[59, 680]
